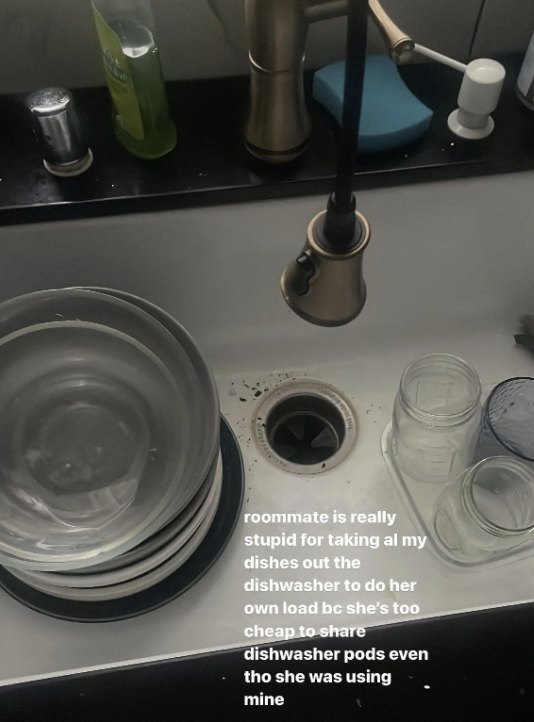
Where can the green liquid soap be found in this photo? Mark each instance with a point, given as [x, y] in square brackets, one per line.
[144, 64]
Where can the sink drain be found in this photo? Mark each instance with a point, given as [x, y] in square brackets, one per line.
[305, 426]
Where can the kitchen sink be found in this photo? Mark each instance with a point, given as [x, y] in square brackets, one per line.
[449, 268]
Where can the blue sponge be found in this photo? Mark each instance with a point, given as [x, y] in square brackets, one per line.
[391, 115]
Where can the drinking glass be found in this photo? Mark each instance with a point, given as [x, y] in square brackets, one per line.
[508, 421]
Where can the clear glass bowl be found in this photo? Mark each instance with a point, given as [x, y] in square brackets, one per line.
[95, 377]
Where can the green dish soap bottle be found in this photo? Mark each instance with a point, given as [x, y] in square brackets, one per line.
[141, 118]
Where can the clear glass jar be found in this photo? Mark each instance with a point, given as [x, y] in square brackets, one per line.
[487, 511]
[436, 418]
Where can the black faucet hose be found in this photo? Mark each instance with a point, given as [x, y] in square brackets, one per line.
[340, 225]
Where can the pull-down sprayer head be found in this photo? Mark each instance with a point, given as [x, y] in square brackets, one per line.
[323, 286]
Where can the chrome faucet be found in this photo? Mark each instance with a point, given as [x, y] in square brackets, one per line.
[278, 125]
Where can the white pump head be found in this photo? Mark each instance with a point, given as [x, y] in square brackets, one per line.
[478, 97]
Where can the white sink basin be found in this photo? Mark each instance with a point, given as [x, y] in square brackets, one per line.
[449, 268]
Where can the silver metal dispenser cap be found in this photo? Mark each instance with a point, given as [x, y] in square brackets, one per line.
[56, 127]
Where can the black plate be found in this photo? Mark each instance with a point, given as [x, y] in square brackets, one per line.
[173, 586]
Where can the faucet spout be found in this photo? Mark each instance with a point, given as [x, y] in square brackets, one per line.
[278, 125]
[400, 46]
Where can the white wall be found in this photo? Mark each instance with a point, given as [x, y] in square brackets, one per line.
[505, 26]
[53, 42]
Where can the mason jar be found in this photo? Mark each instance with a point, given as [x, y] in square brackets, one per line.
[436, 418]
[487, 511]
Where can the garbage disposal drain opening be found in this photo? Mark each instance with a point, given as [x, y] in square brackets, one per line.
[305, 429]
[305, 426]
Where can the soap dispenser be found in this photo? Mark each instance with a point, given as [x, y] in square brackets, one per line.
[141, 118]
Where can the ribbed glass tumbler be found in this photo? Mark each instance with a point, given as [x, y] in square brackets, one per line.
[508, 421]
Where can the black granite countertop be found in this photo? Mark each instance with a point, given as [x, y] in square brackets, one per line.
[210, 165]
[480, 669]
